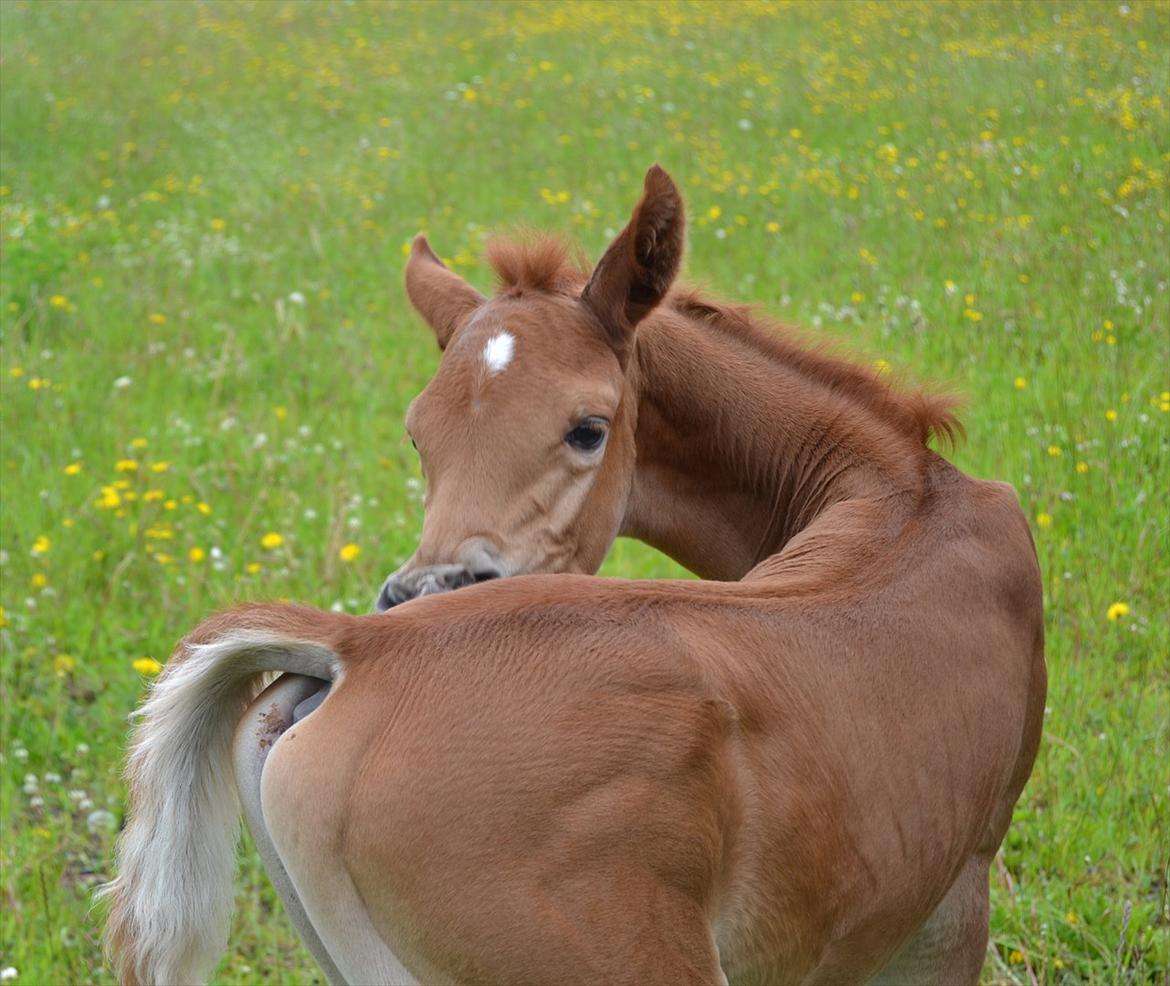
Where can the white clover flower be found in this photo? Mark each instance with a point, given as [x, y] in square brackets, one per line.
[101, 820]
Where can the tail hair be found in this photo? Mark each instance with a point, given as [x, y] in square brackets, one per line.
[170, 904]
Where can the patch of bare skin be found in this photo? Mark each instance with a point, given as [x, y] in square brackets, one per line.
[272, 725]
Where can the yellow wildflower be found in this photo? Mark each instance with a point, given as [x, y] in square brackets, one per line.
[3, 617]
[1117, 611]
[147, 666]
[1082, 467]
[63, 664]
[349, 552]
[714, 212]
[72, 469]
[59, 301]
[1021, 383]
[16, 371]
[157, 318]
[253, 567]
[41, 545]
[1043, 520]
[203, 508]
[196, 555]
[126, 465]
[1111, 415]
[218, 225]
[271, 541]
[160, 466]
[1055, 450]
[39, 581]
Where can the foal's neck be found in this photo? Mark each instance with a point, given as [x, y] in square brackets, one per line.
[740, 448]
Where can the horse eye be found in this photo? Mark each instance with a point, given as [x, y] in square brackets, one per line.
[588, 435]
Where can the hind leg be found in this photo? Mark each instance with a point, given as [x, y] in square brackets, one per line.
[950, 947]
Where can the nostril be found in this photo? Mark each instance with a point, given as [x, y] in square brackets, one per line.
[388, 598]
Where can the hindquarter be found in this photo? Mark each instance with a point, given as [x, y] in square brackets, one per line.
[503, 825]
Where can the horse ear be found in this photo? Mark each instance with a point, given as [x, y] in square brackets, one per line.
[637, 270]
[438, 294]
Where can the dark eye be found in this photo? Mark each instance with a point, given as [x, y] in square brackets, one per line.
[588, 435]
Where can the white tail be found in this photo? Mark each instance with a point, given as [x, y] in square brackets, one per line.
[171, 902]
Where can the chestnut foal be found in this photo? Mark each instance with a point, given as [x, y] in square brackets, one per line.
[797, 773]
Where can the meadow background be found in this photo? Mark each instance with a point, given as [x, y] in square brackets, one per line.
[206, 350]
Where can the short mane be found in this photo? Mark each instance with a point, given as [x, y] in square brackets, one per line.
[537, 262]
[916, 413]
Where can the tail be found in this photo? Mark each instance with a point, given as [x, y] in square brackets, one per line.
[170, 904]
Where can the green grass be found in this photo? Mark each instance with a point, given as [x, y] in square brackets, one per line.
[210, 204]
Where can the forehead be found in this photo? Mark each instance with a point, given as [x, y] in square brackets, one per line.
[531, 351]
[537, 339]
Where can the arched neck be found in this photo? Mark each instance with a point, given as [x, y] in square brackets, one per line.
[738, 451]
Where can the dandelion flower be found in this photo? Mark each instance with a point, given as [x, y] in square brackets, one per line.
[41, 545]
[147, 666]
[1021, 383]
[157, 318]
[39, 580]
[349, 552]
[1111, 415]
[196, 555]
[72, 469]
[203, 508]
[1043, 520]
[63, 664]
[271, 541]
[126, 465]
[1117, 611]
[253, 567]
[218, 225]
[59, 301]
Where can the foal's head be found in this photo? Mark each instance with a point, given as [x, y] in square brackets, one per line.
[526, 432]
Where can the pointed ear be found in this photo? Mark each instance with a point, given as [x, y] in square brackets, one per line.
[637, 270]
[438, 294]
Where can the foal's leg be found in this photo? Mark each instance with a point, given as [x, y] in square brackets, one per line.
[950, 947]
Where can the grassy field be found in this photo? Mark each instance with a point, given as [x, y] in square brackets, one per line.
[206, 350]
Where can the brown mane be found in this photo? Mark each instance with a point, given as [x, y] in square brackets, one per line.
[537, 262]
[548, 263]
[916, 413]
